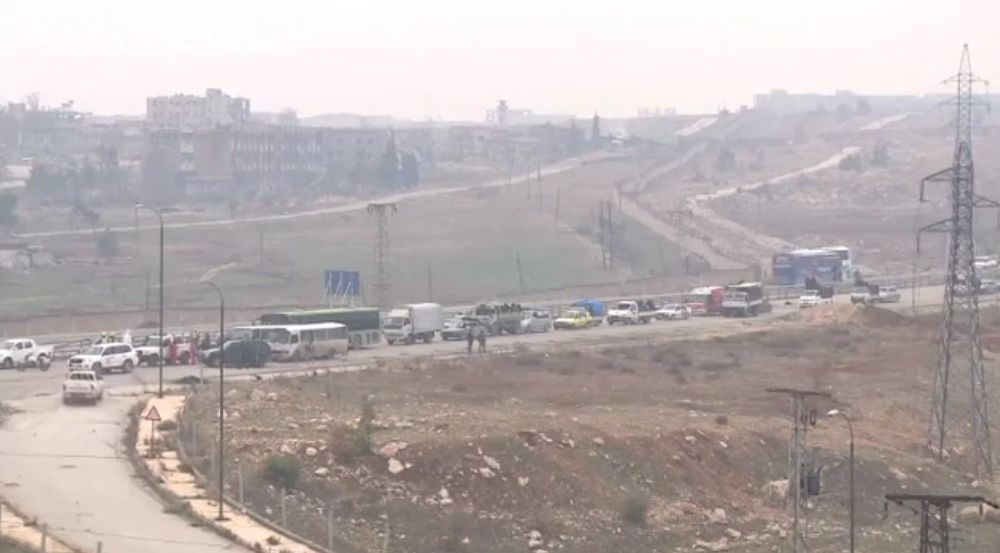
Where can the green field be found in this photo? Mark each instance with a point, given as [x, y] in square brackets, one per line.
[469, 242]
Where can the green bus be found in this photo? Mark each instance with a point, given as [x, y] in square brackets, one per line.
[364, 324]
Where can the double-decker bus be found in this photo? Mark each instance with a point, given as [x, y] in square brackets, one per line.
[364, 325]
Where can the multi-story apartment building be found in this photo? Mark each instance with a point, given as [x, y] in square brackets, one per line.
[190, 112]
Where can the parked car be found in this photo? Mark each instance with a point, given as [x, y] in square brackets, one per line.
[673, 312]
[456, 328]
[574, 319]
[24, 352]
[105, 358]
[885, 294]
[986, 262]
[537, 321]
[239, 354]
[812, 298]
[83, 385]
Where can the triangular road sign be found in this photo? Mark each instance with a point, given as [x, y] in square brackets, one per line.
[153, 415]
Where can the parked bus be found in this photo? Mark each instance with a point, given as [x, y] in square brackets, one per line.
[363, 324]
[298, 342]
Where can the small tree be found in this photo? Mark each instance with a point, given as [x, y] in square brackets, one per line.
[409, 172]
[107, 245]
[388, 169]
[281, 470]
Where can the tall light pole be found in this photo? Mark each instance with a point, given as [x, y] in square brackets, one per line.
[222, 395]
[159, 216]
[850, 429]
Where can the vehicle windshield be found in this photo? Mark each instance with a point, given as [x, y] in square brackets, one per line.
[394, 322]
[275, 335]
[8, 344]
[81, 376]
[697, 298]
[624, 305]
[93, 350]
[151, 341]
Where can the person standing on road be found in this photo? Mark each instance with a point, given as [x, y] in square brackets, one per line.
[482, 340]
[469, 337]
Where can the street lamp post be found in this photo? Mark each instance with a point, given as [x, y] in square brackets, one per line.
[159, 216]
[850, 429]
[222, 396]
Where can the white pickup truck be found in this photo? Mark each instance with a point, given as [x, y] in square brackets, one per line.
[24, 352]
[632, 312]
[83, 385]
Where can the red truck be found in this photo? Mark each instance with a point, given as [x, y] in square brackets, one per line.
[705, 300]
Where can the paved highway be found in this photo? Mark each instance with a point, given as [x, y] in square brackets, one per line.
[63, 464]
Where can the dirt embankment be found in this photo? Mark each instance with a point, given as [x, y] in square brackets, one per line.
[636, 446]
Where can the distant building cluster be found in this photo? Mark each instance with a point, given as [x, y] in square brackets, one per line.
[782, 102]
[213, 144]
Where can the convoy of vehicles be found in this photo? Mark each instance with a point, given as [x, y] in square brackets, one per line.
[986, 262]
[576, 318]
[632, 312]
[744, 299]
[83, 385]
[364, 327]
[24, 352]
[298, 342]
[105, 358]
[416, 321]
[705, 300]
[537, 321]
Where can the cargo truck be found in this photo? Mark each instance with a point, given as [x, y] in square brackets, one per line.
[416, 321]
[744, 299]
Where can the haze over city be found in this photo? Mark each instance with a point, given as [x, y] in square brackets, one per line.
[546, 276]
[446, 59]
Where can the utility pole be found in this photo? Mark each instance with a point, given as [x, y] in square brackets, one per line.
[611, 238]
[935, 533]
[602, 226]
[960, 339]
[520, 273]
[801, 420]
[430, 283]
[383, 282]
[558, 192]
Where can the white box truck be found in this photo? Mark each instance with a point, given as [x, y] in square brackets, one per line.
[416, 321]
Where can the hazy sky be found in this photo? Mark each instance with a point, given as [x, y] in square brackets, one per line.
[454, 59]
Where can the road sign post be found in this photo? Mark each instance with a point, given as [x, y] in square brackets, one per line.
[153, 416]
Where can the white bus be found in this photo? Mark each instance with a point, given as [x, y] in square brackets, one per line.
[298, 342]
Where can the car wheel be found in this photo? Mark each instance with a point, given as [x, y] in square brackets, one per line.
[127, 366]
[152, 360]
[8, 363]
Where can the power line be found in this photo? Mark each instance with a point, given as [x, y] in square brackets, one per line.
[960, 340]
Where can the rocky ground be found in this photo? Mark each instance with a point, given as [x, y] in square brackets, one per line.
[633, 446]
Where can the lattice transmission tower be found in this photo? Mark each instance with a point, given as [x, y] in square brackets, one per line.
[960, 342]
[383, 276]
